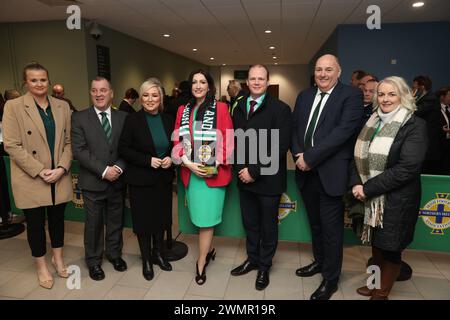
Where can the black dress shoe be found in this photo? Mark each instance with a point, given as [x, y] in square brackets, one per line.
[244, 268]
[147, 270]
[119, 264]
[96, 273]
[325, 290]
[262, 280]
[309, 270]
[163, 264]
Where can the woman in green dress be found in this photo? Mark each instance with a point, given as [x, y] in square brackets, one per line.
[203, 141]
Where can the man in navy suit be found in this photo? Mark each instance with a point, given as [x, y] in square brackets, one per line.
[327, 120]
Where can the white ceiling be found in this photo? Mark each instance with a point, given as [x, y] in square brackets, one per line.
[231, 31]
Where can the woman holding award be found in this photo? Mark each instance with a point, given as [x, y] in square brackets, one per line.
[203, 140]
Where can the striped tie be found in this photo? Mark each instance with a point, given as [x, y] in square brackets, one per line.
[106, 126]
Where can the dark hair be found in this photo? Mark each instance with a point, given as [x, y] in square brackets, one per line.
[424, 81]
[184, 86]
[442, 92]
[2, 104]
[33, 66]
[210, 95]
[359, 74]
[99, 78]
[131, 94]
[259, 66]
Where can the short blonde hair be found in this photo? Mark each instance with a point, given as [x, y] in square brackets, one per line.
[401, 88]
[150, 83]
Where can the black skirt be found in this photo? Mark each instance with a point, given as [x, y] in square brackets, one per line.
[151, 208]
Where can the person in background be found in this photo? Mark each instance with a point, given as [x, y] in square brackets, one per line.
[236, 93]
[58, 92]
[11, 94]
[369, 91]
[203, 144]
[36, 135]
[385, 176]
[356, 77]
[443, 94]
[126, 105]
[145, 144]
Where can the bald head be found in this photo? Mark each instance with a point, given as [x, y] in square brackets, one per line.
[327, 72]
[58, 91]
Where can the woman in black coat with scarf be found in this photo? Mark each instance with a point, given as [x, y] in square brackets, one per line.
[385, 176]
[146, 146]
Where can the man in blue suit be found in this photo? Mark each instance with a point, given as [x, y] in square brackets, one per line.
[327, 120]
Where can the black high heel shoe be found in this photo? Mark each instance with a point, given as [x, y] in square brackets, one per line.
[200, 278]
[210, 256]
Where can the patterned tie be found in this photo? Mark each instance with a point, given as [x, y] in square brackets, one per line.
[106, 126]
[252, 107]
[312, 124]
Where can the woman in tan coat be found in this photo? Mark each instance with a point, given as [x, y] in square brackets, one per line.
[36, 134]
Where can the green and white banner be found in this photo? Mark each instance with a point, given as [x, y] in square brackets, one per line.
[432, 229]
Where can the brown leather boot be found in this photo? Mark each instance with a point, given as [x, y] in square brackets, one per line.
[377, 259]
[389, 273]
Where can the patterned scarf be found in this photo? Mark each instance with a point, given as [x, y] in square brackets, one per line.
[205, 135]
[371, 154]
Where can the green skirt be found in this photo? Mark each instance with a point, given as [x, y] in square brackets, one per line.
[205, 204]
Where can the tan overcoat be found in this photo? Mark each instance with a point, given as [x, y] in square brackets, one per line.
[25, 141]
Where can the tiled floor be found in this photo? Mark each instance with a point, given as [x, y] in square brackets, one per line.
[431, 277]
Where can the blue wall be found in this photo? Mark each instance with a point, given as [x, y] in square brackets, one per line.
[419, 48]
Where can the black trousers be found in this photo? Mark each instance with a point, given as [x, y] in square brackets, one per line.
[326, 218]
[260, 220]
[145, 244]
[110, 204]
[35, 219]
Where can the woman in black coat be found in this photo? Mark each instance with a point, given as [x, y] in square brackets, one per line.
[146, 146]
[385, 176]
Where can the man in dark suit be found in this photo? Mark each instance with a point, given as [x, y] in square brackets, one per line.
[326, 122]
[261, 182]
[95, 138]
[126, 105]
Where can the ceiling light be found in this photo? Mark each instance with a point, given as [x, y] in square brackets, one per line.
[212, 58]
[194, 49]
[418, 4]
[166, 35]
[274, 57]
[224, 64]
[276, 63]
[268, 31]
[272, 48]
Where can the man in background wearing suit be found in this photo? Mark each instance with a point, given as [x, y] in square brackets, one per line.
[327, 120]
[95, 138]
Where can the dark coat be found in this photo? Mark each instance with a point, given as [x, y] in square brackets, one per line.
[93, 151]
[271, 114]
[400, 182]
[334, 136]
[126, 107]
[137, 148]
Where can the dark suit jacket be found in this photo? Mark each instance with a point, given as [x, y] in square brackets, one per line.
[136, 146]
[92, 149]
[273, 114]
[126, 107]
[334, 137]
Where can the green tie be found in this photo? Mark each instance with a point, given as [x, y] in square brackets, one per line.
[312, 124]
[106, 126]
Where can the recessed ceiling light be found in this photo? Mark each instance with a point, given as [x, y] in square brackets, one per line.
[212, 58]
[274, 57]
[272, 48]
[418, 4]
[194, 49]
[224, 64]
[166, 35]
[268, 31]
[276, 63]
